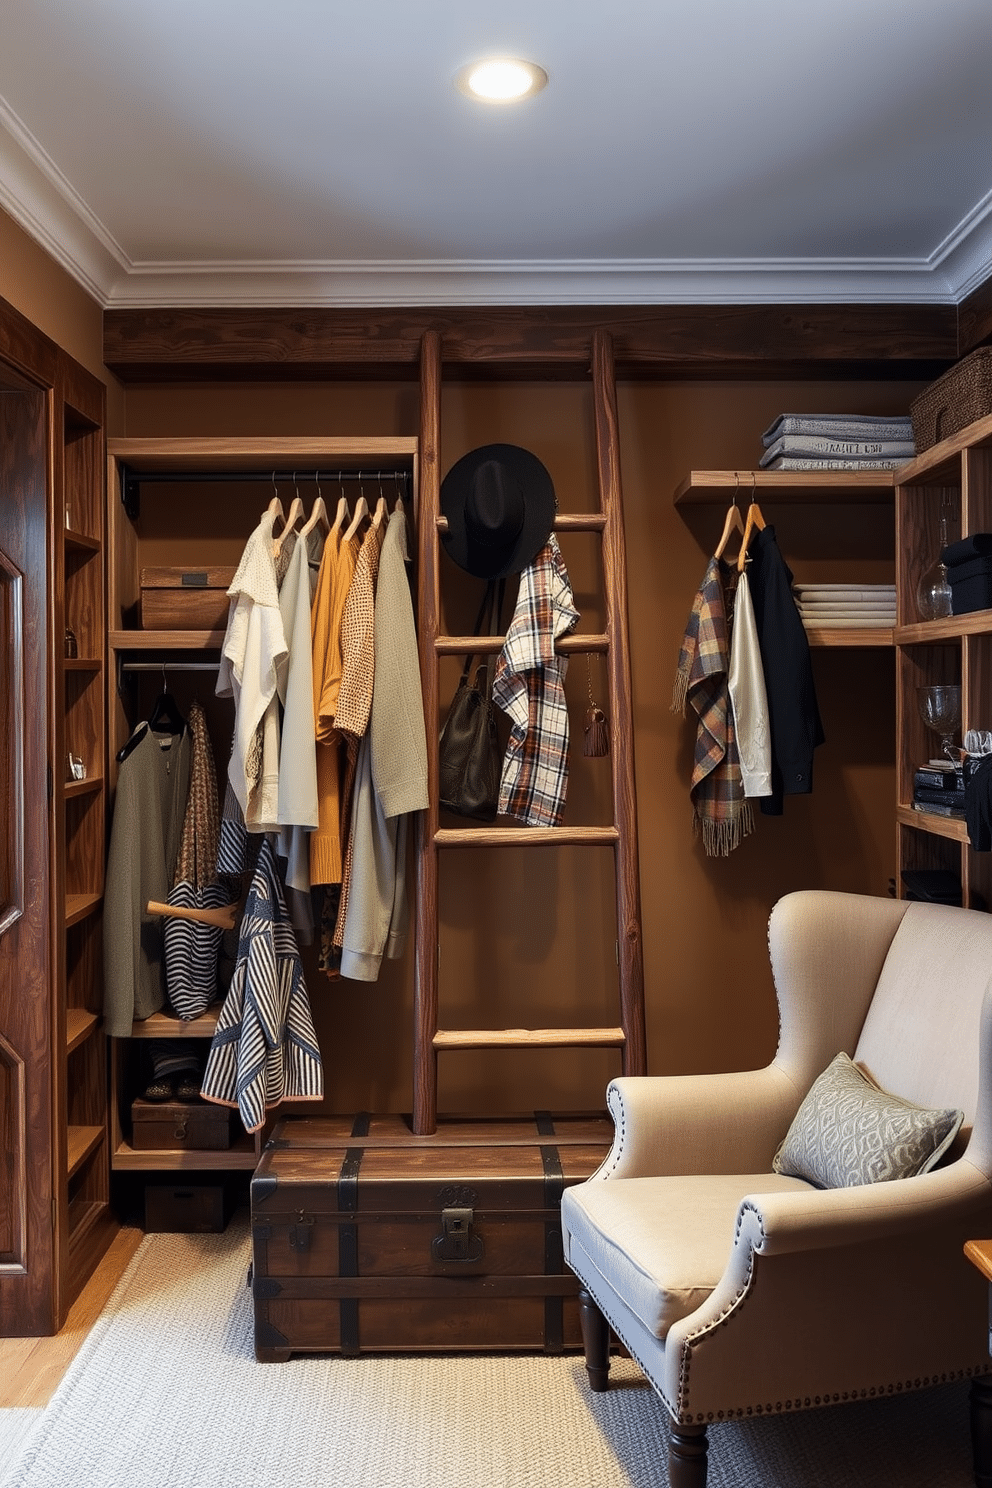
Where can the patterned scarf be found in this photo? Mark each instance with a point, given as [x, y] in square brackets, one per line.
[721, 813]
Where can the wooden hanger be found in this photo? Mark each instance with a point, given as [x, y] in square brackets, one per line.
[296, 511]
[224, 915]
[361, 512]
[342, 514]
[318, 513]
[381, 512]
[274, 507]
[734, 523]
[755, 522]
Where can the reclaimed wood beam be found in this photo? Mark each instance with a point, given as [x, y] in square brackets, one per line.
[666, 341]
[975, 319]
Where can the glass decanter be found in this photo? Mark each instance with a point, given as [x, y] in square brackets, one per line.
[933, 591]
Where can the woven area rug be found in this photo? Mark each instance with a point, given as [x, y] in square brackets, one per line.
[166, 1393]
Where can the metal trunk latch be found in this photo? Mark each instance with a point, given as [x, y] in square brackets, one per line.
[456, 1241]
[301, 1232]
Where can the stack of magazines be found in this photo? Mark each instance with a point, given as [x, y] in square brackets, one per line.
[846, 605]
[837, 441]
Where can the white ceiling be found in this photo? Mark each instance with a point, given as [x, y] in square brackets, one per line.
[316, 152]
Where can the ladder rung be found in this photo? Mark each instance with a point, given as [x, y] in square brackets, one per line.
[481, 645]
[564, 522]
[526, 837]
[523, 1038]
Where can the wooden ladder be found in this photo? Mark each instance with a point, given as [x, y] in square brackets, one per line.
[629, 1035]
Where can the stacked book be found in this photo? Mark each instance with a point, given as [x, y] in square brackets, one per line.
[837, 441]
[939, 789]
[846, 606]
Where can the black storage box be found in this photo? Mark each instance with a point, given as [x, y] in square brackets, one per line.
[186, 1208]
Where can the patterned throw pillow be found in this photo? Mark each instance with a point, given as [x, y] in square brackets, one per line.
[848, 1132]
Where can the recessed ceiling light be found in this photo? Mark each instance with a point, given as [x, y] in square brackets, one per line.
[501, 80]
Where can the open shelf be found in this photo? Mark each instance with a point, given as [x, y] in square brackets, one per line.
[81, 543]
[91, 786]
[242, 1157]
[79, 1024]
[868, 487]
[850, 637]
[167, 1025]
[80, 906]
[82, 1141]
[166, 640]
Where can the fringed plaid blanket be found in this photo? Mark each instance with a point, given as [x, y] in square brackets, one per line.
[721, 814]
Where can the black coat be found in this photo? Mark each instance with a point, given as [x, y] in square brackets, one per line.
[793, 714]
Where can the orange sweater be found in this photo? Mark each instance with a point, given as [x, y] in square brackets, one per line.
[337, 566]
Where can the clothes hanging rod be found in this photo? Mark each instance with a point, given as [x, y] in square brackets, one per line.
[132, 480]
[169, 666]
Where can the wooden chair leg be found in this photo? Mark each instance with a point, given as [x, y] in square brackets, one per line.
[981, 1429]
[596, 1339]
[687, 1460]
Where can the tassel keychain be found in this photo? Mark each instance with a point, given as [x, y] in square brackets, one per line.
[597, 730]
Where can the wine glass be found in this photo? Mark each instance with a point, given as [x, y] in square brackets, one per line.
[940, 709]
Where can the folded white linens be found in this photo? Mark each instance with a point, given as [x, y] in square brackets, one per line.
[797, 463]
[840, 426]
[821, 447]
[867, 589]
[839, 612]
[849, 622]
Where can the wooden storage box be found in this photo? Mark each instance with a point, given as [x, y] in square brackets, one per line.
[962, 395]
[368, 1239]
[163, 1126]
[185, 598]
[186, 1208]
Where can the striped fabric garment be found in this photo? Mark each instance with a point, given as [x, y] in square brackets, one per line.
[192, 950]
[265, 1048]
[529, 687]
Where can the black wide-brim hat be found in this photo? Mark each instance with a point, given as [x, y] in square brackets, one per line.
[500, 504]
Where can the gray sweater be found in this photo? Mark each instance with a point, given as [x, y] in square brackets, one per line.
[152, 791]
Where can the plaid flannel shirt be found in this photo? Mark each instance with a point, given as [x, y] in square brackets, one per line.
[529, 687]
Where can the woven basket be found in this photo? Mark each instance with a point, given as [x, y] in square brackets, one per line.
[962, 395]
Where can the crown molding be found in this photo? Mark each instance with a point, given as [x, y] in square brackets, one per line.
[392, 283]
[43, 202]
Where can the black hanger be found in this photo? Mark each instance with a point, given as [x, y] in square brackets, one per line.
[165, 716]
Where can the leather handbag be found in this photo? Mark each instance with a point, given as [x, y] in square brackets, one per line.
[469, 756]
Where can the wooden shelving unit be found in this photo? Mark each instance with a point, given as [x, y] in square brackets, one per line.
[55, 1217]
[784, 489]
[956, 650]
[129, 541]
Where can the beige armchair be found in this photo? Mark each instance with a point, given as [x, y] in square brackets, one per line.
[743, 1291]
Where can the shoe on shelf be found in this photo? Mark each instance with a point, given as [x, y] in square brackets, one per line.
[161, 1089]
[188, 1086]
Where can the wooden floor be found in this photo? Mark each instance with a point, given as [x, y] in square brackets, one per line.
[31, 1368]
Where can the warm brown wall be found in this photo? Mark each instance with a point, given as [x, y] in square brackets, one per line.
[527, 938]
[51, 299]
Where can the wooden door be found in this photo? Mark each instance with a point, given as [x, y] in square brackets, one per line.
[26, 1177]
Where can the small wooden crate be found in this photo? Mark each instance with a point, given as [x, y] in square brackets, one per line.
[185, 598]
[163, 1126]
[368, 1239]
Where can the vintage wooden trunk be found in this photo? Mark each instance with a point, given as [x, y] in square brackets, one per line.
[368, 1239]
